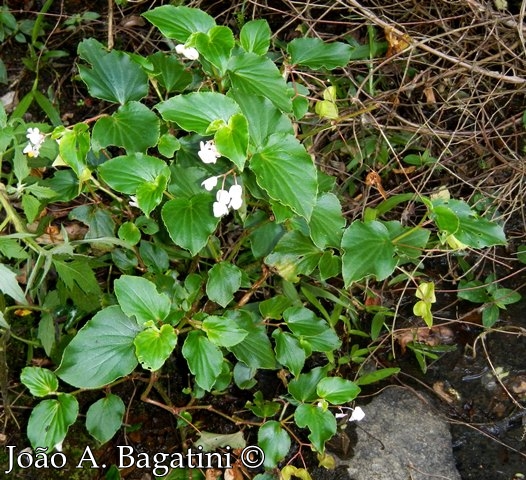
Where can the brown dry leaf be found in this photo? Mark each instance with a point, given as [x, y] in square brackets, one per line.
[437, 335]
[429, 93]
[446, 393]
[405, 170]
[397, 42]
[212, 474]
[233, 473]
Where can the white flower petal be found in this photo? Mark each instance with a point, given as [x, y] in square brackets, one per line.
[180, 48]
[191, 53]
[34, 136]
[357, 415]
[222, 196]
[209, 183]
[133, 201]
[220, 209]
[235, 203]
[208, 152]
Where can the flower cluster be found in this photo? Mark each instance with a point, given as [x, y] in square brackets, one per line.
[36, 139]
[356, 416]
[188, 52]
[225, 199]
[233, 198]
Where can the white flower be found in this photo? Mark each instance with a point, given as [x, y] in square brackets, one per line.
[36, 139]
[133, 201]
[191, 53]
[357, 415]
[236, 197]
[220, 209]
[222, 196]
[208, 152]
[34, 136]
[209, 183]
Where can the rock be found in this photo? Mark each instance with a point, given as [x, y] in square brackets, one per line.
[417, 442]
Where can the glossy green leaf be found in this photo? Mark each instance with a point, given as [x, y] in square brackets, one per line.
[77, 273]
[505, 296]
[169, 72]
[263, 408]
[129, 232]
[224, 279]
[179, 22]
[368, 250]
[31, 207]
[102, 350]
[455, 217]
[128, 172]
[204, 359]
[327, 223]
[289, 351]
[195, 111]
[303, 388]
[150, 194]
[215, 46]
[264, 119]
[294, 255]
[490, 316]
[74, 147]
[138, 297]
[9, 285]
[255, 351]
[337, 390]
[98, 220]
[285, 170]
[232, 140]
[50, 420]
[321, 423]
[114, 76]
[274, 441]
[189, 221]
[244, 376]
[274, 307]
[104, 417]
[133, 127]
[258, 75]
[329, 265]
[255, 37]
[39, 381]
[315, 53]
[154, 345]
[223, 331]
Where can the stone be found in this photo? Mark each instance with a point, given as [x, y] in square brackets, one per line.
[402, 438]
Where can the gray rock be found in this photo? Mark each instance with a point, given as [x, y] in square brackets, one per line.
[416, 442]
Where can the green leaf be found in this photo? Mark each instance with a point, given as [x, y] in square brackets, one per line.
[376, 376]
[189, 221]
[455, 217]
[337, 390]
[223, 331]
[153, 346]
[294, 255]
[215, 46]
[50, 420]
[74, 147]
[258, 75]
[315, 53]
[308, 327]
[133, 127]
[321, 423]
[255, 350]
[224, 279]
[169, 72]
[99, 221]
[303, 388]
[128, 172]
[39, 381]
[289, 351]
[285, 170]
[274, 307]
[195, 111]
[274, 441]
[505, 296]
[263, 408]
[255, 37]
[130, 233]
[327, 223]
[9, 285]
[104, 417]
[138, 297]
[102, 350]
[521, 253]
[114, 76]
[329, 265]
[31, 207]
[232, 140]
[368, 250]
[204, 359]
[264, 119]
[150, 194]
[490, 315]
[179, 22]
[77, 274]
